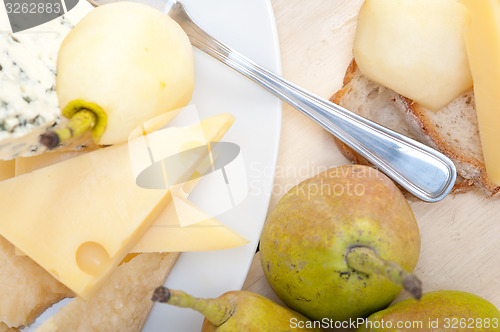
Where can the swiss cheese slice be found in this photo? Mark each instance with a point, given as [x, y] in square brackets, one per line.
[166, 234]
[79, 218]
[85, 214]
[483, 48]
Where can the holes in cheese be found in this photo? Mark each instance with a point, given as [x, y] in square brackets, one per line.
[92, 258]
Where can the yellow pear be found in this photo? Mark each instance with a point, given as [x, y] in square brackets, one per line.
[415, 47]
[437, 311]
[236, 311]
[122, 64]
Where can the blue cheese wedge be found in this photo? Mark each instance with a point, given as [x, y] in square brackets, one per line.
[27, 77]
[28, 100]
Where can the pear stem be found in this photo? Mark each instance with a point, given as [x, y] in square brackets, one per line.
[80, 123]
[217, 311]
[364, 259]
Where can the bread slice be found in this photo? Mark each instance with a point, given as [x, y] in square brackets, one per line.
[452, 130]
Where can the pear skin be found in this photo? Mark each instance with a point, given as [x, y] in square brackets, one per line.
[438, 311]
[310, 235]
[239, 311]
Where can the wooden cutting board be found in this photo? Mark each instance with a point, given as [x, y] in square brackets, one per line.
[460, 235]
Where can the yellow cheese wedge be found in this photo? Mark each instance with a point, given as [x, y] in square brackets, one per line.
[25, 165]
[7, 169]
[79, 218]
[483, 49]
[166, 234]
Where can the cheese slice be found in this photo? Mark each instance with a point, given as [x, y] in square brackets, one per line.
[79, 218]
[7, 169]
[166, 234]
[25, 165]
[483, 48]
[29, 164]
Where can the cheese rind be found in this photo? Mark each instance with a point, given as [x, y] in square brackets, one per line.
[29, 164]
[483, 49]
[7, 169]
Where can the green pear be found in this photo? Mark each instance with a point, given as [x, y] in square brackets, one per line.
[437, 311]
[341, 245]
[124, 63]
[238, 311]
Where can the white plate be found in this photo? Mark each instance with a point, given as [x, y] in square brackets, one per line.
[248, 27]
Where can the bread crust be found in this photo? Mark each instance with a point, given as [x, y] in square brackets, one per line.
[471, 172]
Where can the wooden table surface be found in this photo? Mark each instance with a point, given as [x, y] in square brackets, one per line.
[460, 235]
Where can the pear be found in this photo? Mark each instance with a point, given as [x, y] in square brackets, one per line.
[437, 311]
[415, 48]
[238, 311]
[123, 64]
[341, 245]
